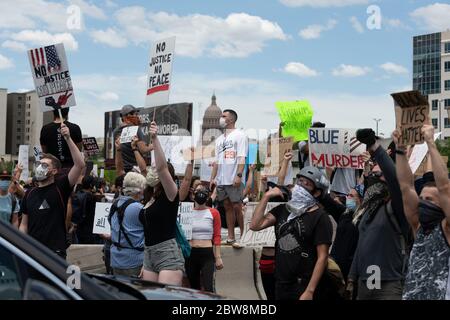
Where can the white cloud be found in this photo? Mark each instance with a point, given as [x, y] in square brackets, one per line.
[313, 31]
[391, 67]
[109, 37]
[110, 4]
[89, 9]
[434, 17]
[345, 70]
[41, 38]
[108, 96]
[238, 35]
[322, 3]
[356, 25]
[14, 45]
[299, 69]
[5, 63]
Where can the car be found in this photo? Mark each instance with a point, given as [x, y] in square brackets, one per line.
[31, 271]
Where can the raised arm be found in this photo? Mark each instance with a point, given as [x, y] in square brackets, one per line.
[259, 220]
[167, 182]
[249, 183]
[77, 156]
[118, 159]
[440, 171]
[139, 158]
[186, 183]
[284, 167]
[406, 182]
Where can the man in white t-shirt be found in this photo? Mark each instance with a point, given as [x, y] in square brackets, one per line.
[231, 151]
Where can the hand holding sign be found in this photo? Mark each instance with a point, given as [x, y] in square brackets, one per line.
[65, 132]
[428, 133]
[128, 133]
[153, 130]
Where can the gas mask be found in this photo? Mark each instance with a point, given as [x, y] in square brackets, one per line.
[41, 172]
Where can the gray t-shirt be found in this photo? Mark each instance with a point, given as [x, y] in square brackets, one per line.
[343, 180]
[428, 271]
[129, 160]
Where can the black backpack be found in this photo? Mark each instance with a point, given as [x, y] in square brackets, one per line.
[79, 200]
[120, 215]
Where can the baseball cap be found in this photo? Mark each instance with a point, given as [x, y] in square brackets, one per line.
[4, 175]
[127, 109]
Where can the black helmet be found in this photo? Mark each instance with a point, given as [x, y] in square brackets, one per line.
[316, 176]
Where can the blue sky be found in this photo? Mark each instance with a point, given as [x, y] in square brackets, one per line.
[252, 53]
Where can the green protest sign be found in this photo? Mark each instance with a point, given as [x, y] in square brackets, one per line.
[296, 117]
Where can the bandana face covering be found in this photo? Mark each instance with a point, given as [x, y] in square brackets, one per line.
[429, 215]
[301, 201]
[134, 120]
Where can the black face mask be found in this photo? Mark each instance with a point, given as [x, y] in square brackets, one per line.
[201, 197]
[429, 214]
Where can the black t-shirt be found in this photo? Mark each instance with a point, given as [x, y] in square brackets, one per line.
[46, 208]
[128, 157]
[297, 241]
[160, 220]
[55, 143]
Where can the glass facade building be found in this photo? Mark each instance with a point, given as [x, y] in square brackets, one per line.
[427, 63]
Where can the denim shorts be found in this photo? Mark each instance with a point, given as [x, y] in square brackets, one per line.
[166, 255]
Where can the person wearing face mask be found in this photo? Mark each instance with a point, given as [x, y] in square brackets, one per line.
[303, 236]
[204, 259]
[127, 231]
[429, 218]
[163, 258]
[384, 232]
[44, 208]
[9, 206]
[227, 172]
[346, 239]
[130, 117]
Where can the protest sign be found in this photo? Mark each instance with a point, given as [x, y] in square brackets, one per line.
[263, 238]
[23, 160]
[422, 169]
[159, 72]
[51, 77]
[276, 149]
[37, 152]
[335, 148]
[296, 117]
[186, 218]
[411, 113]
[173, 147]
[172, 120]
[95, 170]
[90, 146]
[128, 133]
[101, 223]
[418, 154]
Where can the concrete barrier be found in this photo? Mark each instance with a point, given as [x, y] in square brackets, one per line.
[89, 257]
[239, 279]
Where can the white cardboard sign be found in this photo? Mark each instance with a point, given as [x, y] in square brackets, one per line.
[23, 160]
[418, 154]
[51, 76]
[186, 218]
[101, 223]
[128, 133]
[159, 72]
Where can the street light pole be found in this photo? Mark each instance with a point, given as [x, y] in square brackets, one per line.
[377, 120]
[440, 119]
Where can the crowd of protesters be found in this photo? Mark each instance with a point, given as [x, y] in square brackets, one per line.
[374, 234]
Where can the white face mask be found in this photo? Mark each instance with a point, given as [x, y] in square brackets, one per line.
[41, 172]
[152, 177]
[222, 122]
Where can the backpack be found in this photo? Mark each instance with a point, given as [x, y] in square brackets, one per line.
[182, 241]
[79, 200]
[332, 273]
[120, 215]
